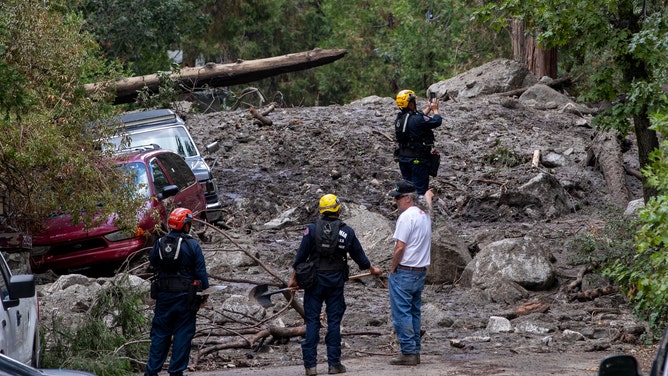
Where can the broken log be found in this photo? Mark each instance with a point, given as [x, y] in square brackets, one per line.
[595, 293]
[260, 119]
[535, 160]
[218, 75]
[607, 153]
[525, 309]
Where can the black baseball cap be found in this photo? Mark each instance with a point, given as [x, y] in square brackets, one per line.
[403, 187]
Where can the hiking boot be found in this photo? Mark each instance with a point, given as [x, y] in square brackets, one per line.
[337, 369]
[405, 360]
[311, 371]
[418, 358]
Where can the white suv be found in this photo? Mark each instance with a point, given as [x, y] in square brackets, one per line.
[19, 316]
[167, 130]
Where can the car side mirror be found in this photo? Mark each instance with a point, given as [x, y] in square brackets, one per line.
[619, 365]
[212, 147]
[169, 191]
[21, 286]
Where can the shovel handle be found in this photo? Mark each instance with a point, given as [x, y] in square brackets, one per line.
[358, 276]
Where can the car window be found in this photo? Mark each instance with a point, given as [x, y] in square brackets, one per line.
[159, 177]
[175, 139]
[177, 168]
[140, 178]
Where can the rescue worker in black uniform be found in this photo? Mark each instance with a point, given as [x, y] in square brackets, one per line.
[181, 273]
[415, 138]
[332, 273]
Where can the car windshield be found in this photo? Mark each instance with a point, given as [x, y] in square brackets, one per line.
[175, 139]
[140, 178]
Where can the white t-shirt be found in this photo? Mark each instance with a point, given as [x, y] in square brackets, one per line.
[414, 229]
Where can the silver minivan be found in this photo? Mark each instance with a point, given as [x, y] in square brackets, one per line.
[166, 129]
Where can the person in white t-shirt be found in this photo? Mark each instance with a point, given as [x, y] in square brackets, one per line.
[410, 259]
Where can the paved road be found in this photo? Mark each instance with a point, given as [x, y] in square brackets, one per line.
[503, 363]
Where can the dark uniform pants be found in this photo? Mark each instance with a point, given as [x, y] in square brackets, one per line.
[415, 170]
[171, 318]
[330, 291]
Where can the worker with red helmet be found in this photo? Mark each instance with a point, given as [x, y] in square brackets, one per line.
[180, 272]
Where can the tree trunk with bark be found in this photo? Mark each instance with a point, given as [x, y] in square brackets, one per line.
[217, 75]
[635, 70]
[541, 62]
[607, 154]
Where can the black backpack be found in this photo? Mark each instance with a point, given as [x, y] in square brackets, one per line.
[400, 128]
[327, 238]
[169, 252]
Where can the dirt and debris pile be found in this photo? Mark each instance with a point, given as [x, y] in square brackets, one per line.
[490, 194]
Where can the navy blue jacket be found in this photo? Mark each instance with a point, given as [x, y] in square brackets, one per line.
[420, 132]
[352, 246]
[192, 259]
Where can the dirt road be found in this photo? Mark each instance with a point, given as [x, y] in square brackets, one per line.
[501, 363]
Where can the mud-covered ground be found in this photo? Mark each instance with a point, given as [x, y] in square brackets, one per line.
[265, 171]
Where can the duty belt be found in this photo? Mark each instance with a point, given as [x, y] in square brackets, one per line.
[174, 284]
[422, 152]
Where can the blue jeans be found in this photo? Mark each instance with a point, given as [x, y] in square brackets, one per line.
[171, 318]
[416, 171]
[330, 291]
[405, 303]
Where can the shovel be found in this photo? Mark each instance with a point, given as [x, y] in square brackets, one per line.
[211, 290]
[261, 295]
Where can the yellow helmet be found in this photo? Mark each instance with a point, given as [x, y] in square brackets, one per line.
[404, 97]
[329, 203]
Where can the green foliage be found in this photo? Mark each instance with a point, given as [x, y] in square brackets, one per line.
[641, 272]
[390, 45]
[502, 157]
[51, 162]
[104, 342]
[139, 33]
[168, 93]
[601, 247]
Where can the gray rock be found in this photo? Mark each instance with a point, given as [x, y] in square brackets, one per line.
[517, 260]
[499, 324]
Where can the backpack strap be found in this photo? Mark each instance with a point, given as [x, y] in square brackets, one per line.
[162, 242]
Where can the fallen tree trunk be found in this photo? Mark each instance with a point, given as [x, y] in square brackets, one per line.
[217, 75]
[606, 151]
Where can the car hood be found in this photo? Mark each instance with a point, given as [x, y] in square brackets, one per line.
[59, 228]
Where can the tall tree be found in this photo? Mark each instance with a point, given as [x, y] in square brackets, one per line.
[48, 151]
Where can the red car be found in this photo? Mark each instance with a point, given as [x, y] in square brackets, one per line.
[163, 177]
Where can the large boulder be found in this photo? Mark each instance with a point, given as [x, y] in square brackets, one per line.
[544, 97]
[497, 76]
[520, 260]
[449, 256]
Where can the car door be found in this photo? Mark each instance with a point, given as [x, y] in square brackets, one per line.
[7, 325]
[179, 173]
[18, 322]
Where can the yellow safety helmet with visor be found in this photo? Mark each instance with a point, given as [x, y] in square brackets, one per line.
[404, 97]
[329, 203]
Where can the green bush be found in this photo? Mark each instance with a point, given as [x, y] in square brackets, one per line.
[110, 342]
[642, 273]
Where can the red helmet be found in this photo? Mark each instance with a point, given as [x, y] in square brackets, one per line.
[179, 217]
